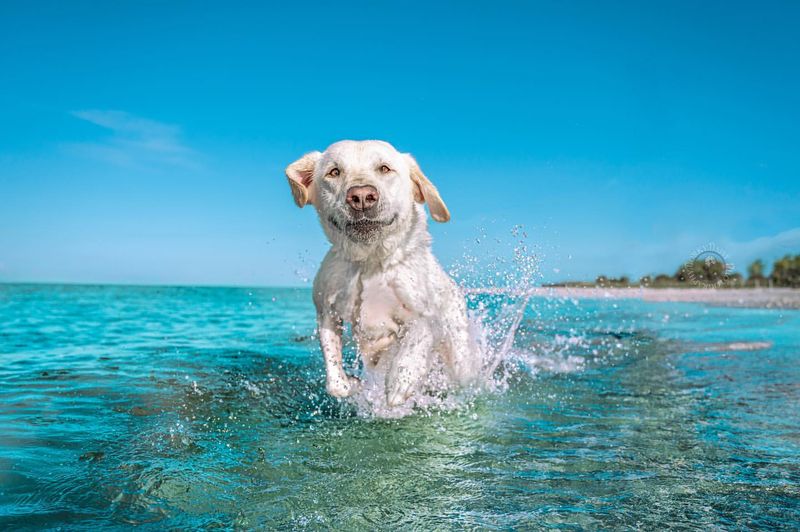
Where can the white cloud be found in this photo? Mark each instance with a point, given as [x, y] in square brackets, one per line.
[134, 141]
[615, 257]
[767, 248]
[668, 255]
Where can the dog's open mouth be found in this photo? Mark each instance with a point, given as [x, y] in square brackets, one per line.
[363, 228]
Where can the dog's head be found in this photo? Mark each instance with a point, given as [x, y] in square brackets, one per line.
[364, 192]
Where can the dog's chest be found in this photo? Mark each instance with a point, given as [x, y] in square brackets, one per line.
[378, 313]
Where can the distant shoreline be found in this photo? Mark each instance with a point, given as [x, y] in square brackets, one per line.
[785, 298]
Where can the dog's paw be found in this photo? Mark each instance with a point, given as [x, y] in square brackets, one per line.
[463, 375]
[398, 392]
[343, 386]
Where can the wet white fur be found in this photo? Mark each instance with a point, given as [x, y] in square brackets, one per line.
[404, 310]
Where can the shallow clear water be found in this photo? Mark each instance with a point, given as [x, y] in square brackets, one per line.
[205, 407]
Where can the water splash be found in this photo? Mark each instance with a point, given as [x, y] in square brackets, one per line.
[500, 304]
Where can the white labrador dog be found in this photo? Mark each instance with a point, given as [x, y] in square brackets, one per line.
[380, 275]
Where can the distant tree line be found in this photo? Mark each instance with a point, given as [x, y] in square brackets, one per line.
[697, 272]
[785, 271]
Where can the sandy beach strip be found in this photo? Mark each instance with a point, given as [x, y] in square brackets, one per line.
[786, 298]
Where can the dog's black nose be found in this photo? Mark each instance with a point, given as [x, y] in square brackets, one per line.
[362, 197]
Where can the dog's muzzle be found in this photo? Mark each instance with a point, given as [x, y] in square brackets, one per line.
[362, 229]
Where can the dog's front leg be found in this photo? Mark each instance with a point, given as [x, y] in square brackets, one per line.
[410, 363]
[337, 382]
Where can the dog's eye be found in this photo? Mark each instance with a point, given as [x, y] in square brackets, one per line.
[334, 172]
[385, 169]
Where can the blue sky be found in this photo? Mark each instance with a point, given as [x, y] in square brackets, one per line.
[145, 142]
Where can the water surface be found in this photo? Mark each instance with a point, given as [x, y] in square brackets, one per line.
[205, 407]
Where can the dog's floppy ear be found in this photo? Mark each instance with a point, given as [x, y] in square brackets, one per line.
[301, 178]
[425, 192]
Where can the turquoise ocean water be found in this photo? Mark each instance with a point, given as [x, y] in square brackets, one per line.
[205, 408]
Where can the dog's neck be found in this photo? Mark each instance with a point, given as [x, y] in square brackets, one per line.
[411, 237]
